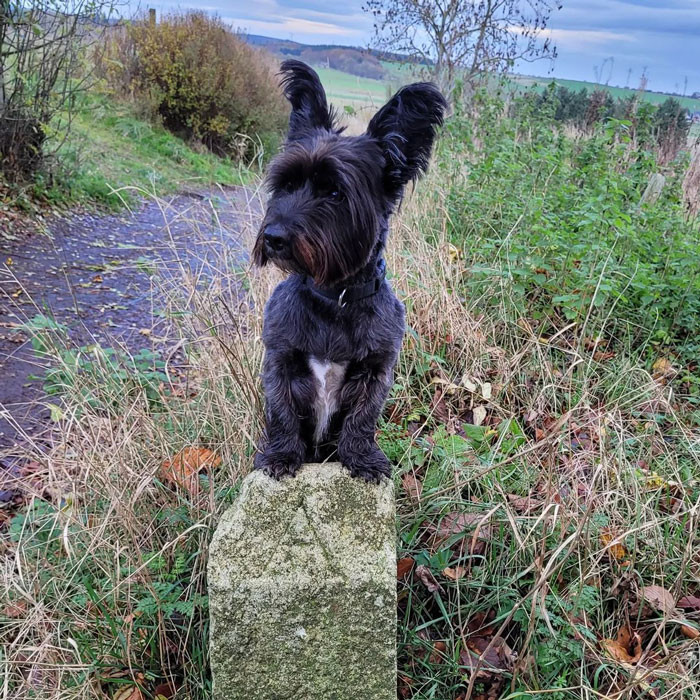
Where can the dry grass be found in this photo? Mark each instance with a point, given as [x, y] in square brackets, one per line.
[105, 575]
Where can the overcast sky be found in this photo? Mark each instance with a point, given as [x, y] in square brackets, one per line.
[662, 36]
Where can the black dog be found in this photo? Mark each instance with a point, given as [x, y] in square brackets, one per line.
[333, 329]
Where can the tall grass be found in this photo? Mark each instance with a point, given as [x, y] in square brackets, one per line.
[543, 482]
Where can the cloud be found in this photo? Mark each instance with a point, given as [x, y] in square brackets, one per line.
[282, 27]
[581, 39]
[314, 21]
[648, 16]
[346, 8]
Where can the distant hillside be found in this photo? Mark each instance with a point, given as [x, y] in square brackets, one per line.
[365, 63]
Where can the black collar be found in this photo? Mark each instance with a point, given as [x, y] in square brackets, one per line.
[353, 292]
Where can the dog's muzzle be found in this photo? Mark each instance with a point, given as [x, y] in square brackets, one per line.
[277, 244]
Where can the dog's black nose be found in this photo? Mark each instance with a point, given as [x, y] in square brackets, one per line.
[276, 239]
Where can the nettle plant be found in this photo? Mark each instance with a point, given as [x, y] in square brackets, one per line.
[573, 241]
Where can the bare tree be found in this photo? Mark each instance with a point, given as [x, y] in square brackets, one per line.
[464, 39]
[43, 44]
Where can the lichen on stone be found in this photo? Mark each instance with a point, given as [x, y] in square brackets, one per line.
[302, 585]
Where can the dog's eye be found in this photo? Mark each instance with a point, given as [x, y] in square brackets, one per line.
[288, 186]
[334, 194]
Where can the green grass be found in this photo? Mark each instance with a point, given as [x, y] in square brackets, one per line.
[110, 148]
[345, 89]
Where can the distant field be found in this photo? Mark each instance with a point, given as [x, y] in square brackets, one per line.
[654, 97]
[345, 89]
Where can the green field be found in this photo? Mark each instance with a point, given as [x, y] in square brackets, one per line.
[343, 88]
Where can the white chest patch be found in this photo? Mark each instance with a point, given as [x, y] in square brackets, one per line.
[330, 377]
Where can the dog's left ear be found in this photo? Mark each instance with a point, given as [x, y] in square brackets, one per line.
[405, 128]
[302, 87]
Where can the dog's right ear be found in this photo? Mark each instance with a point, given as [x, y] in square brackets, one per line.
[302, 87]
[405, 129]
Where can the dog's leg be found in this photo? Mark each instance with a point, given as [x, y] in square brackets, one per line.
[366, 388]
[289, 391]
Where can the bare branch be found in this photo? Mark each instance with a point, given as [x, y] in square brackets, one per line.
[464, 40]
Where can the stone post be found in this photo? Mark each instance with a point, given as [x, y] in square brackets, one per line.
[302, 590]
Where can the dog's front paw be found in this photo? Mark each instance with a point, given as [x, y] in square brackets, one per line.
[278, 465]
[370, 466]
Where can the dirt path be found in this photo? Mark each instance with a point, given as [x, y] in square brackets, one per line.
[94, 275]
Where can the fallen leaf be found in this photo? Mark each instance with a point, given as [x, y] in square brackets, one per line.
[659, 598]
[184, 468]
[97, 279]
[486, 391]
[132, 616]
[689, 602]
[439, 407]
[469, 385]
[456, 523]
[499, 656]
[454, 252]
[14, 609]
[616, 550]
[662, 368]
[690, 632]
[428, 580]
[437, 656]
[480, 622]
[479, 415]
[164, 691]
[593, 343]
[145, 332]
[405, 684]
[128, 692]
[454, 573]
[404, 567]
[56, 412]
[523, 504]
[627, 648]
[448, 386]
[412, 486]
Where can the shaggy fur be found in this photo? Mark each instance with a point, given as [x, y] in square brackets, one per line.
[329, 364]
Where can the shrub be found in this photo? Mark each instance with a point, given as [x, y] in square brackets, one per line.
[666, 125]
[41, 75]
[672, 126]
[201, 79]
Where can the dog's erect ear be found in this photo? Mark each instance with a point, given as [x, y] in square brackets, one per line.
[405, 128]
[302, 87]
